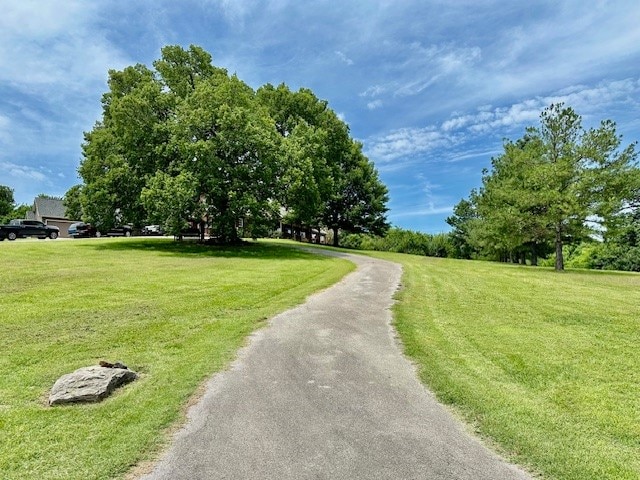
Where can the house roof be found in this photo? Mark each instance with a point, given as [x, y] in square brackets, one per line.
[49, 207]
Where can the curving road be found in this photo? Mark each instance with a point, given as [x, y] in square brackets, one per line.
[324, 392]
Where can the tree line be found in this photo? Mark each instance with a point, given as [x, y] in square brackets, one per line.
[185, 142]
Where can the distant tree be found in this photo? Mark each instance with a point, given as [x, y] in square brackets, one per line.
[462, 222]
[402, 241]
[8, 208]
[21, 211]
[47, 196]
[7, 202]
[73, 203]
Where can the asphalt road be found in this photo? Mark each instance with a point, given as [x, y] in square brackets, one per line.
[324, 392]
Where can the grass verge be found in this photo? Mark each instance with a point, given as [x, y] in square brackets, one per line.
[545, 365]
[175, 312]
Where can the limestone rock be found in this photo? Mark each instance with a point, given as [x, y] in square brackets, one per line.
[89, 384]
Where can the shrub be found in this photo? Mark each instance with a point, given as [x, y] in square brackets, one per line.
[403, 241]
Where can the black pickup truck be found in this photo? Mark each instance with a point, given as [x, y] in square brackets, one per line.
[28, 228]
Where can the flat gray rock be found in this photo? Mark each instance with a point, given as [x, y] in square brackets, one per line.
[89, 384]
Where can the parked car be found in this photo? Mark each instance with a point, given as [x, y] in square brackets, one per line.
[119, 231]
[152, 230]
[187, 233]
[28, 228]
[81, 229]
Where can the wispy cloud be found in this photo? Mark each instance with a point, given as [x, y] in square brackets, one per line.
[422, 198]
[583, 99]
[497, 122]
[4, 129]
[429, 209]
[406, 142]
[21, 172]
[414, 67]
[55, 47]
[373, 91]
[343, 57]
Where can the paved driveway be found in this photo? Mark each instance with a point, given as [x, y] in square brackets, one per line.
[325, 393]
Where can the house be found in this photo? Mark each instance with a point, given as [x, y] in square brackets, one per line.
[50, 211]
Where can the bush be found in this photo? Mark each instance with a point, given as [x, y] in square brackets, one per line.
[617, 257]
[352, 240]
[398, 240]
[600, 256]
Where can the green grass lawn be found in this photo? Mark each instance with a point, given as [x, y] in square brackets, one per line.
[546, 365]
[175, 312]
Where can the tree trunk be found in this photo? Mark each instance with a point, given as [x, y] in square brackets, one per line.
[534, 256]
[559, 256]
[336, 243]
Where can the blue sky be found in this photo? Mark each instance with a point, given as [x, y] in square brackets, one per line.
[430, 87]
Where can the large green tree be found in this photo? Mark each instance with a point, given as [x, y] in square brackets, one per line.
[588, 177]
[229, 145]
[358, 201]
[229, 156]
[513, 203]
[310, 140]
[555, 186]
[327, 180]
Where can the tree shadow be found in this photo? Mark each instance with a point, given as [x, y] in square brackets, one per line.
[166, 246]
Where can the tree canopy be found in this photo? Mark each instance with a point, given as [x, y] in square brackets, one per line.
[186, 142]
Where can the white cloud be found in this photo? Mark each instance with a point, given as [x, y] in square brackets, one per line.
[234, 11]
[472, 153]
[374, 104]
[422, 67]
[420, 197]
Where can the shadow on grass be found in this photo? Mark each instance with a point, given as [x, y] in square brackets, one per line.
[252, 250]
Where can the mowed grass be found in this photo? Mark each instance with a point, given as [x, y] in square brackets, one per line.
[545, 365]
[175, 312]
